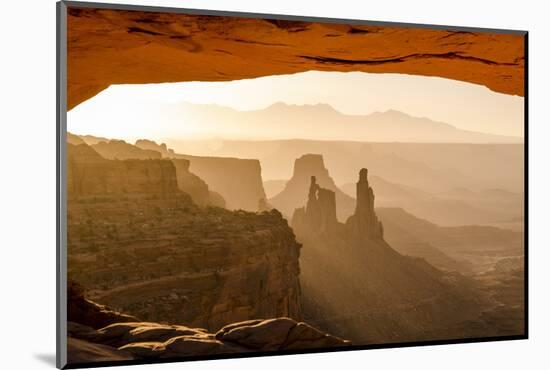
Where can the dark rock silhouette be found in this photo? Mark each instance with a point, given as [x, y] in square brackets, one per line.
[364, 221]
[83, 352]
[320, 211]
[126, 340]
[305, 167]
[357, 286]
[89, 313]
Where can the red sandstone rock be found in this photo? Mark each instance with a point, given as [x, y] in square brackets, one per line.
[108, 47]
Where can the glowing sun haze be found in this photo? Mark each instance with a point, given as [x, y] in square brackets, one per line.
[137, 111]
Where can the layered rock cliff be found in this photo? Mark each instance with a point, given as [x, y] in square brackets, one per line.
[352, 279]
[193, 185]
[89, 174]
[142, 246]
[238, 181]
[292, 197]
[187, 181]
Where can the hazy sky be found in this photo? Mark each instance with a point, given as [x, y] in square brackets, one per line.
[126, 111]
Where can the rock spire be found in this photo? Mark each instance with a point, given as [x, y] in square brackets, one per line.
[364, 221]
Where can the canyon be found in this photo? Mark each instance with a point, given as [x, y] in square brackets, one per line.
[204, 178]
[467, 249]
[141, 245]
[175, 250]
[148, 237]
[352, 279]
[431, 167]
[238, 181]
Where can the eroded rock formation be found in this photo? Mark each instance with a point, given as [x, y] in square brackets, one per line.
[119, 149]
[89, 313]
[122, 340]
[364, 221]
[141, 245]
[237, 181]
[319, 215]
[187, 182]
[357, 286]
[305, 167]
[107, 46]
[194, 186]
[320, 211]
[89, 174]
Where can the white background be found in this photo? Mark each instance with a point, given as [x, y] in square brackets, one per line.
[27, 180]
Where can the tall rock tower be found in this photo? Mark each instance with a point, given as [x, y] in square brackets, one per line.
[319, 215]
[293, 195]
[364, 221]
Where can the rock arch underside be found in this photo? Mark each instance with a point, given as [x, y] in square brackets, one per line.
[107, 46]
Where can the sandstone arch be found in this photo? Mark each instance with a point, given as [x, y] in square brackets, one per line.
[107, 46]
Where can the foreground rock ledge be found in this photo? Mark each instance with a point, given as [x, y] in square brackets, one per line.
[144, 340]
[108, 46]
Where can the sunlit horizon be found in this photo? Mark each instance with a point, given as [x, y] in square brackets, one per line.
[149, 110]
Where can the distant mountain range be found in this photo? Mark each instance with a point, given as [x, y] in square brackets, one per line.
[323, 122]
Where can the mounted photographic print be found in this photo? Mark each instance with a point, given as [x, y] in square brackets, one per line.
[235, 184]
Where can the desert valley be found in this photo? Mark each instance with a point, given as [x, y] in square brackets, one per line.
[188, 248]
[240, 185]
